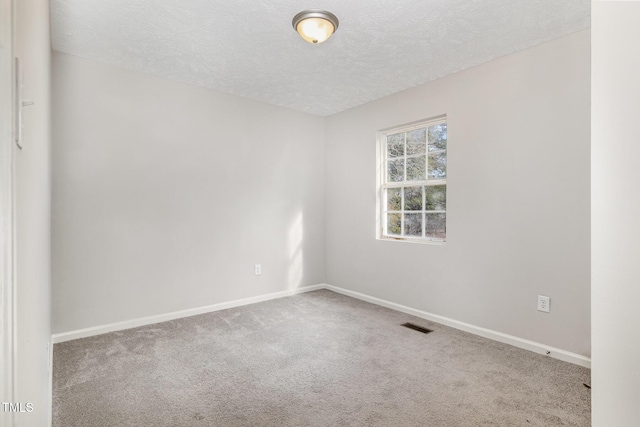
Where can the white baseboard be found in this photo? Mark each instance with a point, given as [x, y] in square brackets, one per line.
[477, 330]
[536, 347]
[143, 321]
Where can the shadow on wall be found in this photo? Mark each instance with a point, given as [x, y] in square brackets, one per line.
[295, 253]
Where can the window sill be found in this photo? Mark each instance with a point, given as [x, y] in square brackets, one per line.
[410, 240]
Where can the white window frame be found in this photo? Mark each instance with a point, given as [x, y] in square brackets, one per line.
[383, 185]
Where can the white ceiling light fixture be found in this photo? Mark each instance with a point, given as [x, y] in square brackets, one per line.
[315, 25]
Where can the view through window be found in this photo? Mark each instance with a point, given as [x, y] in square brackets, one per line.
[414, 182]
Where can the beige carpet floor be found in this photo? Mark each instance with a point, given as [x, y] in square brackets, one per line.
[315, 359]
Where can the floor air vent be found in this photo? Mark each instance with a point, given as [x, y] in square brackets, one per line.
[417, 328]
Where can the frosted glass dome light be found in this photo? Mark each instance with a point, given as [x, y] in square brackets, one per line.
[315, 25]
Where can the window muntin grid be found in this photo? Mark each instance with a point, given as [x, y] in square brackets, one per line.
[413, 189]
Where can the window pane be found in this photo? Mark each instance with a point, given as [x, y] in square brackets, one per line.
[412, 158]
[394, 199]
[413, 198]
[438, 137]
[436, 198]
[394, 224]
[438, 166]
[435, 225]
[417, 141]
[413, 224]
[416, 169]
[395, 170]
[395, 145]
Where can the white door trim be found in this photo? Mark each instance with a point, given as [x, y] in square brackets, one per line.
[7, 241]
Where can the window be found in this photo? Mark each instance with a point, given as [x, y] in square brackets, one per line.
[413, 182]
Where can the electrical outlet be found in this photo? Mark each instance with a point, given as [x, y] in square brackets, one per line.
[543, 303]
[257, 269]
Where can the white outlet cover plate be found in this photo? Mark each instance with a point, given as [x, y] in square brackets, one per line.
[543, 303]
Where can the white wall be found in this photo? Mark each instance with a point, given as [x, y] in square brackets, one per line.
[32, 174]
[615, 210]
[166, 195]
[152, 180]
[518, 198]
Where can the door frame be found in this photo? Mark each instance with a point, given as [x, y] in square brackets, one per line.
[7, 209]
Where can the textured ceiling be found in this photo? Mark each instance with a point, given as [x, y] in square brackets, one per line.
[248, 47]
